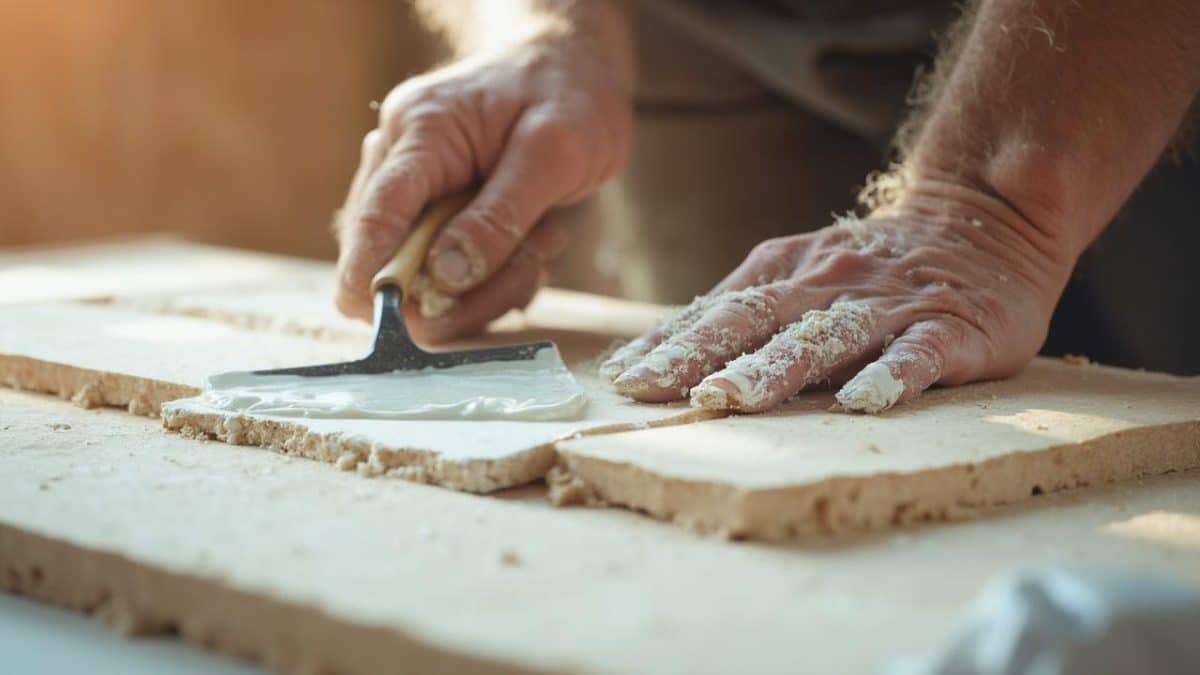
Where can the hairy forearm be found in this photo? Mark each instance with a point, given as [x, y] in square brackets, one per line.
[1058, 109]
[472, 26]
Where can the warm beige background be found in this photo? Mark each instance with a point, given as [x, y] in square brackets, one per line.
[223, 120]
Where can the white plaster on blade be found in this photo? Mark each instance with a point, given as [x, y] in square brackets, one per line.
[539, 389]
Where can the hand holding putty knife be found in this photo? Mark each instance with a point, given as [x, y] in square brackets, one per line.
[398, 379]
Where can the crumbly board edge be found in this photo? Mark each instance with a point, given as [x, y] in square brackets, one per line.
[372, 460]
[863, 503]
[368, 459]
[90, 388]
[134, 598]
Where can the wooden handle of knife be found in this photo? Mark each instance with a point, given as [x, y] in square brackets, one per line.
[404, 265]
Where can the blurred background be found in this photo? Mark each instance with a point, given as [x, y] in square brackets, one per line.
[223, 121]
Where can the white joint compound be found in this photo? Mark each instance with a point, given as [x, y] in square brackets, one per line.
[540, 389]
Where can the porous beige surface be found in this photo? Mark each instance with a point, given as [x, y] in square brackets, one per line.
[472, 456]
[311, 570]
[100, 355]
[142, 267]
[585, 324]
[805, 469]
[107, 355]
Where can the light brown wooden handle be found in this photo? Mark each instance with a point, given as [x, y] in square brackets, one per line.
[406, 263]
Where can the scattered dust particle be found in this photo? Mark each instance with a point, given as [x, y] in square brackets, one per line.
[975, 222]
[373, 105]
[1042, 427]
[874, 448]
[1076, 359]
[347, 461]
[510, 558]
[59, 426]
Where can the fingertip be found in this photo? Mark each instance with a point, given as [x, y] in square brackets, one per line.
[873, 390]
[352, 305]
[716, 393]
[613, 368]
[632, 383]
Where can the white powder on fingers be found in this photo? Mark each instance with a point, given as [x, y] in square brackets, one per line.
[820, 340]
[631, 354]
[678, 360]
[873, 390]
[625, 357]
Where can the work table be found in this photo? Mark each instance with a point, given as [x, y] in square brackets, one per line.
[296, 564]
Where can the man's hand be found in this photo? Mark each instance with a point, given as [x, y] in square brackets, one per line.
[950, 287]
[541, 118]
[1044, 119]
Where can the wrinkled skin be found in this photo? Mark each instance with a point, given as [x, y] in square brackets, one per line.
[541, 122]
[946, 288]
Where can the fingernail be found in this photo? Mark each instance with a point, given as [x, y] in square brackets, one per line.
[451, 267]
[631, 382]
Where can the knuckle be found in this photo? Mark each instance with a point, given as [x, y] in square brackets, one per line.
[370, 142]
[772, 249]
[559, 140]
[402, 96]
[924, 255]
[428, 117]
[993, 309]
[841, 262]
[495, 224]
[375, 230]
[391, 200]
[772, 258]
[942, 297]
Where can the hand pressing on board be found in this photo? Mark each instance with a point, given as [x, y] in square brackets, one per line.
[539, 113]
[947, 287]
[1040, 121]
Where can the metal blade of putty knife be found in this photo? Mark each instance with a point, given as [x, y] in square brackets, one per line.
[394, 349]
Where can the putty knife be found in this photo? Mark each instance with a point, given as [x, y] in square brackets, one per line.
[394, 349]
